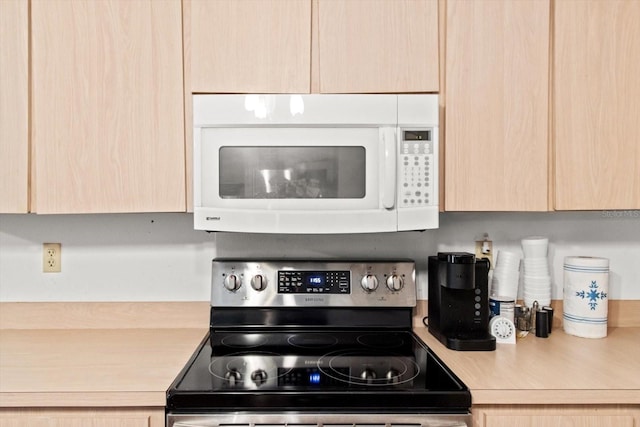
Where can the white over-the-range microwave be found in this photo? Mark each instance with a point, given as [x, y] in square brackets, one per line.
[314, 164]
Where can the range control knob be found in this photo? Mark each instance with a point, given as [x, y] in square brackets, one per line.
[368, 375]
[259, 282]
[393, 376]
[369, 283]
[232, 282]
[259, 377]
[395, 282]
[233, 378]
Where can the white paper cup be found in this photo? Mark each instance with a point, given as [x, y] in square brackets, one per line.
[535, 247]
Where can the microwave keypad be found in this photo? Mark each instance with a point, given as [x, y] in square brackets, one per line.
[416, 172]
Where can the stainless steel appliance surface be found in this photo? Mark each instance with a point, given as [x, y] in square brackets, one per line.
[315, 343]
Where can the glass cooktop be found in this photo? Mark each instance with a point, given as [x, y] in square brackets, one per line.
[311, 369]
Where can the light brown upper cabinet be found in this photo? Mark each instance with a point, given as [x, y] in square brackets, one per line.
[497, 97]
[597, 104]
[369, 46]
[303, 46]
[107, 113]
[14, 106]
[248, 46]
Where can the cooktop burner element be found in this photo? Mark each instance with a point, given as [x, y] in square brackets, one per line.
[380, 341]
[244, 370]
[313, 340]
[273, 351]
[244, 340]
[374, 369]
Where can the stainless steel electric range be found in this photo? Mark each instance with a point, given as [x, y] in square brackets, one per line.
[314, 344]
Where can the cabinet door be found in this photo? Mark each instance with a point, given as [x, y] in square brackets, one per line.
[75, 421]
[597, 104]
[496, 141]
[14, 90]
[591, 415]
[377, 46]
[249, 46]
[584, 421]
[559, 421]
[82, 417]
[108, 117]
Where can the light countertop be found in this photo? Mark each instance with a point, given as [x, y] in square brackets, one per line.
[92, 367]
[134, 367]
[561, 369]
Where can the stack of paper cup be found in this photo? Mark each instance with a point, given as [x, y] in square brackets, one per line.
[506, 273]
[536, 281]
[586, 289]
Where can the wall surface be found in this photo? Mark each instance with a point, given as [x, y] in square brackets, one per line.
[159, 257]
[609, 234]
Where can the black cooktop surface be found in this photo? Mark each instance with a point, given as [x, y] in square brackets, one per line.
[307, 370]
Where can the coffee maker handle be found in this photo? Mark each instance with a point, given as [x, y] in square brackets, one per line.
[486, 262]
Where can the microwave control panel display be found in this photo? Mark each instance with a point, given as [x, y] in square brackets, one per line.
[417, 168]
[314, 282]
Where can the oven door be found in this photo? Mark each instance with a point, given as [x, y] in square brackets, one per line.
[295, 179]
[300, 419]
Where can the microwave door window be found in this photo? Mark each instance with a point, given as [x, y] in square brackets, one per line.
[292, 172]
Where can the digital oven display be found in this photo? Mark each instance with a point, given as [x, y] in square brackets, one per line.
[313, 282]
[310, 377]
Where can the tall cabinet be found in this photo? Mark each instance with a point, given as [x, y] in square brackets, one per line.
[597, 104]
[14, 106]
[497, 97]
[107, 106]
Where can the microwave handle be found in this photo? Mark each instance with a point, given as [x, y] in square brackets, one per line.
[388, 140]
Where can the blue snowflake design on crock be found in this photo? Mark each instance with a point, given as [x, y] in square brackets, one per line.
[592, 294]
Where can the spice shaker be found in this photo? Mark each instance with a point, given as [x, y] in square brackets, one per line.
[542, 324]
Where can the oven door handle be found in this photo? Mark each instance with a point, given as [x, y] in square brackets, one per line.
[320, 420]
[388, 181]
[201, 423]
[426, 423]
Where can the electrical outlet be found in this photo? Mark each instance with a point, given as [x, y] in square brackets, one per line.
[51, 257]
[484, 249]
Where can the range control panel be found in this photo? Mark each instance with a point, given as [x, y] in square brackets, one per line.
[310, 282]
[286, 283]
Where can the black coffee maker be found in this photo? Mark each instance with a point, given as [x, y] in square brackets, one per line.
[459, 301]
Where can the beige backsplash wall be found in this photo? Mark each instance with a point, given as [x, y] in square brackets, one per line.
[159, 257]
